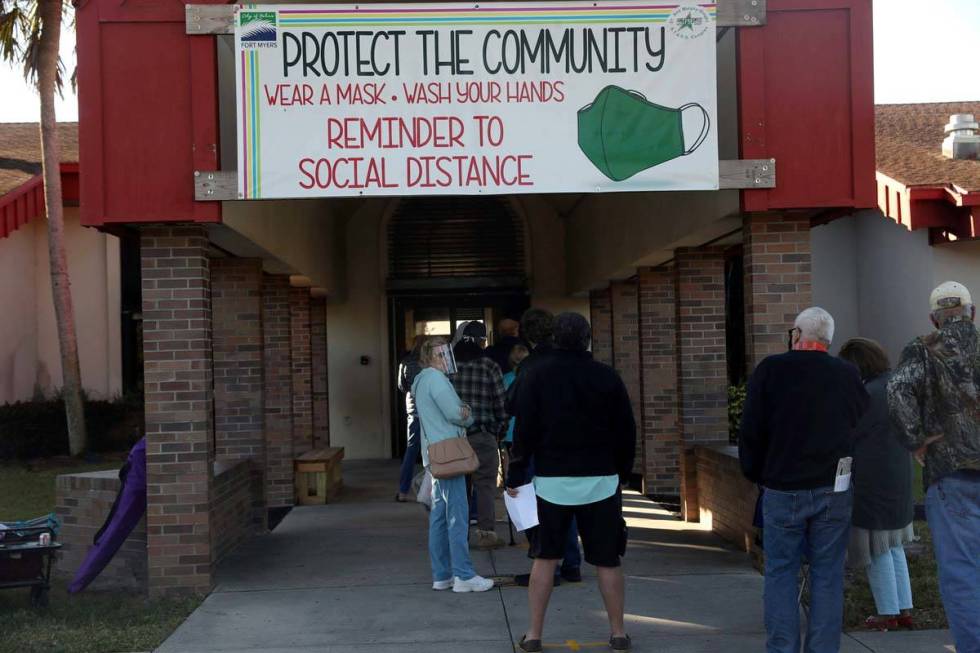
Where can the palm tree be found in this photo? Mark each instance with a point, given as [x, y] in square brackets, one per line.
[30, 34]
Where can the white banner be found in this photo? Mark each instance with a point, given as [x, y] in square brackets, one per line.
[422, 99]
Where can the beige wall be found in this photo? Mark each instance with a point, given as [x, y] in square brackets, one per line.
[29, 351]
[18, 330]
[292, 236]
[875, 276]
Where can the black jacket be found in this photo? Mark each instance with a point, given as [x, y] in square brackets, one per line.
[573, 417]
[799, 419]
[499, 353]
[882, 467]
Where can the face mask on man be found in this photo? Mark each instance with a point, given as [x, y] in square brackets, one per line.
[622, 133]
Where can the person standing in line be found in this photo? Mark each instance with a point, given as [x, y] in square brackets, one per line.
[575, 420]
[881, 522]
[408, 369]
[517, 354]
[796, 440]
[934, 399]
[442, 415]
[480, 385]
[537, 326]
[507, 339]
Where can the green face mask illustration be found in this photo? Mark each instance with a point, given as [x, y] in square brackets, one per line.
[622, 133]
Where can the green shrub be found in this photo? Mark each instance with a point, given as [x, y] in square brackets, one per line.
[38, 429]
[736, 402]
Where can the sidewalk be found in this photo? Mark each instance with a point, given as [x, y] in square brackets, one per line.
[354, 576]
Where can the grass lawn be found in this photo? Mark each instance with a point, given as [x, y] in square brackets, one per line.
[90, 622]
[928, 613]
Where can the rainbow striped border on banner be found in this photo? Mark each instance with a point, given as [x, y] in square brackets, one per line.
[486, 15]
[251, 127]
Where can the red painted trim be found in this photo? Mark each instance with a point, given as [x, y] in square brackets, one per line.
[90, 128]
[765, 123]
[204, 118]
[26, 202]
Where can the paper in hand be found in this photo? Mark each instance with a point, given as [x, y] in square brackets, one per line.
[523, 509]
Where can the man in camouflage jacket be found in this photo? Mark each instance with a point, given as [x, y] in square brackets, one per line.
[934, 399]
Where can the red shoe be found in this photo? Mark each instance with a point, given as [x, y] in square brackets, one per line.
[905, 621]
[882, 625]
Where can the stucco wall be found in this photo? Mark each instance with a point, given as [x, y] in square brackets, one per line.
[875, 277]
[29, 351]
[18, 330]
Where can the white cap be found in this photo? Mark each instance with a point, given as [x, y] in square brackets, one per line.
[949, 294]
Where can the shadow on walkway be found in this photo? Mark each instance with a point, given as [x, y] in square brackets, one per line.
[353, 576]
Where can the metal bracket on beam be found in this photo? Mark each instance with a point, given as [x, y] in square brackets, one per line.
[215, 185]
[747, 173]
[220, 19]
[740, 13]
[209, 19]
[218, 185]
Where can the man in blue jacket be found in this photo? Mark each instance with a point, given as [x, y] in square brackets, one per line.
[796, 441]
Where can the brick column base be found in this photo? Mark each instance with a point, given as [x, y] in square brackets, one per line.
[318, 347]
[178, 400]
[626, 355]
[658, 351]
[277, 391]
[302, 368]
[600, 316]
[701, 359]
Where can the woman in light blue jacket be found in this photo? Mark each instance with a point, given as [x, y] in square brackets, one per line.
[444, 416]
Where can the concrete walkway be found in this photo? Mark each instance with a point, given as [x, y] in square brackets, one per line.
[353, 576]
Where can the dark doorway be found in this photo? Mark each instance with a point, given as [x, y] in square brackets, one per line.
[438, 314]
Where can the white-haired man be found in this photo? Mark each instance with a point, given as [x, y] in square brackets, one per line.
[934, 399]
[796, 441]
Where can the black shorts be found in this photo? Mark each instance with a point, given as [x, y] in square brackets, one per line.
[600, 524]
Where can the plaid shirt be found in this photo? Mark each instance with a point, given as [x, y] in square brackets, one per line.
[480, 385]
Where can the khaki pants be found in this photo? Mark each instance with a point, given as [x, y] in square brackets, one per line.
[485, 478]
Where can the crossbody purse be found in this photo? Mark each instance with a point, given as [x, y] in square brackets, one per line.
[451, 457]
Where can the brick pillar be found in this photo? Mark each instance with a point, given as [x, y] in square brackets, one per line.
[701, 361]
[178, 401]
[239, 420]
[302, 368]
[777, 280]
[658, 368]
[278, 391]
[626, 351]
[318, 348]
[600, 316]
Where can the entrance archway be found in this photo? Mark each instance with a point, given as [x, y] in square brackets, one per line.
[450, 259]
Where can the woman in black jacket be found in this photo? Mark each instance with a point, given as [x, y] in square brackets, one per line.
[882, 516]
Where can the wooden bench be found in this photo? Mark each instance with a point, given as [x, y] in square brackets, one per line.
[318, 475]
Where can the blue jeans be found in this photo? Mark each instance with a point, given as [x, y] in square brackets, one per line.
[449, 548]
[953, 512]
[888, 576]
[813, 524]
[411, 455]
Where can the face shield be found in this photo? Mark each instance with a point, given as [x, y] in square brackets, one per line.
[444, 359]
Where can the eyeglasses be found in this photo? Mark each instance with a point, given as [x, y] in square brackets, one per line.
[789, 337]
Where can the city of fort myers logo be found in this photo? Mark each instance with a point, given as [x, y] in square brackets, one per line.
[688, 22]
[257, 28]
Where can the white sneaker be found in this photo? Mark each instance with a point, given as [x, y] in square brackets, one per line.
[439, 585]
[475, 584]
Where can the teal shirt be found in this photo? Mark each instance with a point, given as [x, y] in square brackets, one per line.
[575, 490]
[438, 407]
[509, 381]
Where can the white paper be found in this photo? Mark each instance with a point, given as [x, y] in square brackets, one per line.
[843, 479]
[523, 509]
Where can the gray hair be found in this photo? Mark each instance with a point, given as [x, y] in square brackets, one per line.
[572, 331]
[815, 324]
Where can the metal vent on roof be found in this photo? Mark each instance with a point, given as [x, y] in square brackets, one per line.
[445, 237]
[962, 141]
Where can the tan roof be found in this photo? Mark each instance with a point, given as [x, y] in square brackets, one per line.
[909, 145]
[20, 151]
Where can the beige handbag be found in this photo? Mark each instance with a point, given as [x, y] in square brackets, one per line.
[451, 458]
